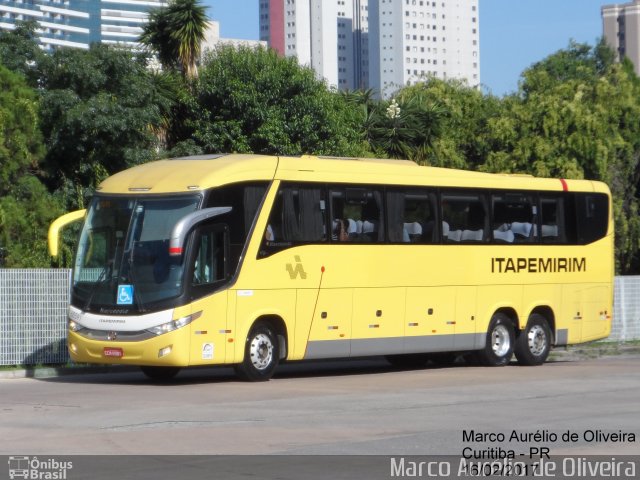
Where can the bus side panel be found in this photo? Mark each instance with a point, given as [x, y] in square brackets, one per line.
[378, 321]
[465, 319]
[328, 334]
[209, 332]
[429, 321]
[253, 304]
[588, 310]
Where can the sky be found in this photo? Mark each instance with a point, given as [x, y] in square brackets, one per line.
[514, 34]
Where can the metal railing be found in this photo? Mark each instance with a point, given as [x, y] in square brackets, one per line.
[33, 314]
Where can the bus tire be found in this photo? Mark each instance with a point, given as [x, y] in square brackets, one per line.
[534, 342]
[160, 373]
[500, 342]
[261, 354]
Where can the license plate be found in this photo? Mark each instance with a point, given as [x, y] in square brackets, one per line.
[112, 352]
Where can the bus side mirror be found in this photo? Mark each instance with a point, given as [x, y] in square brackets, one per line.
[187, 223]
[53, 238]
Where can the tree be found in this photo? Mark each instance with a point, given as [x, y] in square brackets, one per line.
[26, 207]
[19, 49]
[457, 129]
[175, 33]
[252, 100]
[101, 112]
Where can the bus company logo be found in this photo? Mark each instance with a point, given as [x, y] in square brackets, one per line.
[33, 468]
[538, 265]
[298, 270]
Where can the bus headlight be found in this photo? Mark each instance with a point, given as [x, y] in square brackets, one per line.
[174, 324]
[75, 326]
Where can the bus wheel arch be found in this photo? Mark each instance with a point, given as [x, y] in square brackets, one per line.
[265, 345]
[534, 342]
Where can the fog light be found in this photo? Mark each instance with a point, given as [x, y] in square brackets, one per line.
[163, 352]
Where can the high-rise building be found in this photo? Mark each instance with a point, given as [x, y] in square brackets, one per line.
[328, 35]
[382, 44]
[413, 39]
[78, 23]
[621, 29]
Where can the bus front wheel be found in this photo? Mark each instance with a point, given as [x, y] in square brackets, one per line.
[261, 354]
[534, 342]
[499, 345]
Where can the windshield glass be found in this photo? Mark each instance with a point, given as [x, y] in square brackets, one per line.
[123, 255]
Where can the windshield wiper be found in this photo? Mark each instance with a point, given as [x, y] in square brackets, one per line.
[102, 278]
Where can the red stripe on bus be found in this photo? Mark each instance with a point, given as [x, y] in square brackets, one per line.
[565, 187]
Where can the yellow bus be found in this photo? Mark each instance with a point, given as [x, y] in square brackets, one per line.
[251, 260]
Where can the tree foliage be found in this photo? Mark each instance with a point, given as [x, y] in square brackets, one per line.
[26, 207]
[101, 111]
[175, 33]
[253, 100]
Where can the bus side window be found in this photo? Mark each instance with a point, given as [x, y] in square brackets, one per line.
[552, 226]
[466, 216]
[592, 217]
[411, 216]
[361, 211]
[514, 218]
[209, 266]
[297, 217]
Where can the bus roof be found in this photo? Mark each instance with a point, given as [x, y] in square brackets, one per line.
[197, 173]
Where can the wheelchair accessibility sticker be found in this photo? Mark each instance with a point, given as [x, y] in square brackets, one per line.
[125, 295]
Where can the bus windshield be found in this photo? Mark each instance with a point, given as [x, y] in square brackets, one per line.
[123, 256]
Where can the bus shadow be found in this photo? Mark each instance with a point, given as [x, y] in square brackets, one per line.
[124, 375]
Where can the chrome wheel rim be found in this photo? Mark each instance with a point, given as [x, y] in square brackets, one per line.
[537, 340]
[500, 341]
[261, 351]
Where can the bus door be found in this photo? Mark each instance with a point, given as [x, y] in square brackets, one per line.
[207, 272]
[430, 319]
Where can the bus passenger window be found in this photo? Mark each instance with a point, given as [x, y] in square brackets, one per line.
[411, 216]
[552, 220]
[513, 218]
[361, 211]
[297, 217]
[465, 215]
[592, 217]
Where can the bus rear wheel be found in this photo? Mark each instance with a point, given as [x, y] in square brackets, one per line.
[534, 342]
[160, 373]
[499, 345]
[261, 354]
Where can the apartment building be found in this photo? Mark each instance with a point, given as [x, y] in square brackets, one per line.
[379, 44]
[328, 35]
[621, 30]
[414, 39]
[78, 23]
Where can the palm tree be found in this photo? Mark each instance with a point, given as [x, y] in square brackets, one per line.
[176, 33]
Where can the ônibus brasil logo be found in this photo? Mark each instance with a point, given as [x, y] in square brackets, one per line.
[38, 469]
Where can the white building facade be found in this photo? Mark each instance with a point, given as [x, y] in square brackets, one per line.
[379, 44]
[78, 23]
[329, 36]
[415, 39]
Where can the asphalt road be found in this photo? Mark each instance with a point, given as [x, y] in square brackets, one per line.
[357, 407]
